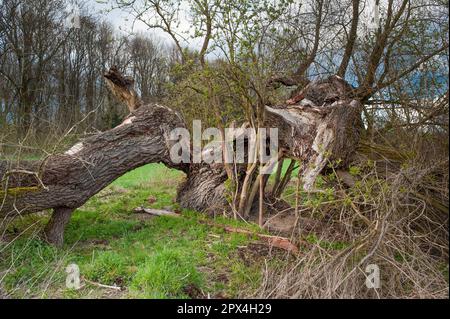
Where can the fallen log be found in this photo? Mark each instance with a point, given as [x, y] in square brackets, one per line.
[323, 125]
[72, 178]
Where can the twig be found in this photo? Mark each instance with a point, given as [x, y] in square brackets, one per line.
[156, 212]
[102, 285]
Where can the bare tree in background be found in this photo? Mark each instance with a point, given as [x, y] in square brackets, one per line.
[51, 72]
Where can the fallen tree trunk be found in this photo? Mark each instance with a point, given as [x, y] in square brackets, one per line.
[323, 124]
[72, 178]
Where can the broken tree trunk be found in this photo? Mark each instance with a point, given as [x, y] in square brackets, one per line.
[323, 124]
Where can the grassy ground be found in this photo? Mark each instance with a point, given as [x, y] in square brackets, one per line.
[149, 257]
[167, 257]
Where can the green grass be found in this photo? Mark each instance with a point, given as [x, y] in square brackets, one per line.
[150, 257]
[157, 173]
[335, 245]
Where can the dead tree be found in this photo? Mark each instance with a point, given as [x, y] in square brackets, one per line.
[323, 124]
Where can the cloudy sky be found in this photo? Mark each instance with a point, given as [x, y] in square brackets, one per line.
[124, 22]
[118, 17]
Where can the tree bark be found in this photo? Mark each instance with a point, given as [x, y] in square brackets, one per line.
[323, 126]
[66, 181]
[54, 230]
[351, 39]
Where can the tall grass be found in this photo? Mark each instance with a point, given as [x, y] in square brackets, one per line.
[394, 216]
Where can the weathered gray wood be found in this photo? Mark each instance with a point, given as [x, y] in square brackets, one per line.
[156, 212]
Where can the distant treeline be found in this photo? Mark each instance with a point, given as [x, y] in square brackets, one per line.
[51, 72]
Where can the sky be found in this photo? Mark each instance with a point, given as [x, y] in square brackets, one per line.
[123, 22]
[120, 19]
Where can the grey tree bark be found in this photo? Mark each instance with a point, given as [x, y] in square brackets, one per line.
[54, 230]
[324, 124]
